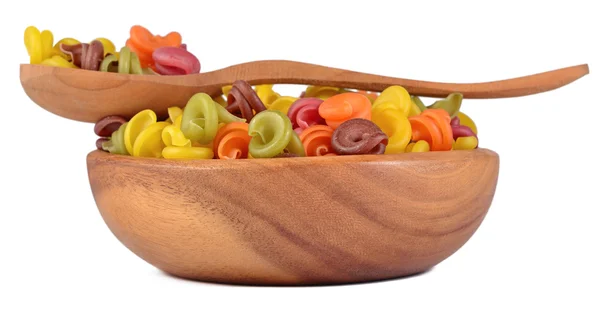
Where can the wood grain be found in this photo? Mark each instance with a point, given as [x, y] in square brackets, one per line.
[91, 95]
[295, 221]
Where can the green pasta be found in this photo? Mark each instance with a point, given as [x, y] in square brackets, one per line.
[116, 144]
[418, 102]
[200, 119]
[295, 146]
[225, 116]
[135, 67]
[451, 104]
[107, 62]
[124, 60]
[127, 63]
[271, 133]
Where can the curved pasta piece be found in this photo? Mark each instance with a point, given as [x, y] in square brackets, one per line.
[85, 56]
[271, 132]
[343, 107]
[38, 44]
[172, 136]
[304, 113]
[358, 136]
[149, 142]
[396, 95]
[67, 41]
[243, 99]
[232, 141]
[175, 61]
[316, 140]
[395, 125]
[433, 126]
[136, 125]
[200, 118]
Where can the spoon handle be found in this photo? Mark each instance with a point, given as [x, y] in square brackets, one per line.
[291, 72]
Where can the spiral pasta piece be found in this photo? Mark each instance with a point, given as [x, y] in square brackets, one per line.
[126, 63]
[266, 94]
[398, 96]
[172, 136]
[33, 44]
[316, 140]
[200, 119]
[433, 126]
[149, 142]
[136, 125]
[175, 61]
[85, 56]
[304, 113]
[358, 136]
[67, 41]
[394, 124]
[243, 99]
[343, 107]
[231, 141]
[109, 63]
[272, 133]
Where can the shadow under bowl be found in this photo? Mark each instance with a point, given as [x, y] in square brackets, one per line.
[295, 221]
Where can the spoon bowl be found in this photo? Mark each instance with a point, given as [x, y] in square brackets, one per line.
[295, 221]
[89, 96]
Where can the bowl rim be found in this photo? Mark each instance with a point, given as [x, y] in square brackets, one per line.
[401, 158]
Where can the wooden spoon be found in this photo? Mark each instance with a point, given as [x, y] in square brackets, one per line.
[91, 95]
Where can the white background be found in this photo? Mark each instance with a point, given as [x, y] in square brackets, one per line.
[536, 251]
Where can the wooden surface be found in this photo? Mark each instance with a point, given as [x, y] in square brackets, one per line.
[91, 95]
[295, 221]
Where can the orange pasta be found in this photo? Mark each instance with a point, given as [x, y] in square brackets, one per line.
[433, 126]
[342, 107]
[316, 140]
[143, 43]
[231, 141]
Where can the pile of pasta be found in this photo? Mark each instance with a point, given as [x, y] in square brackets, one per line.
[257, 122]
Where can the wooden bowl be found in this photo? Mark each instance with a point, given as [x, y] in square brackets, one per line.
[295, 221]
